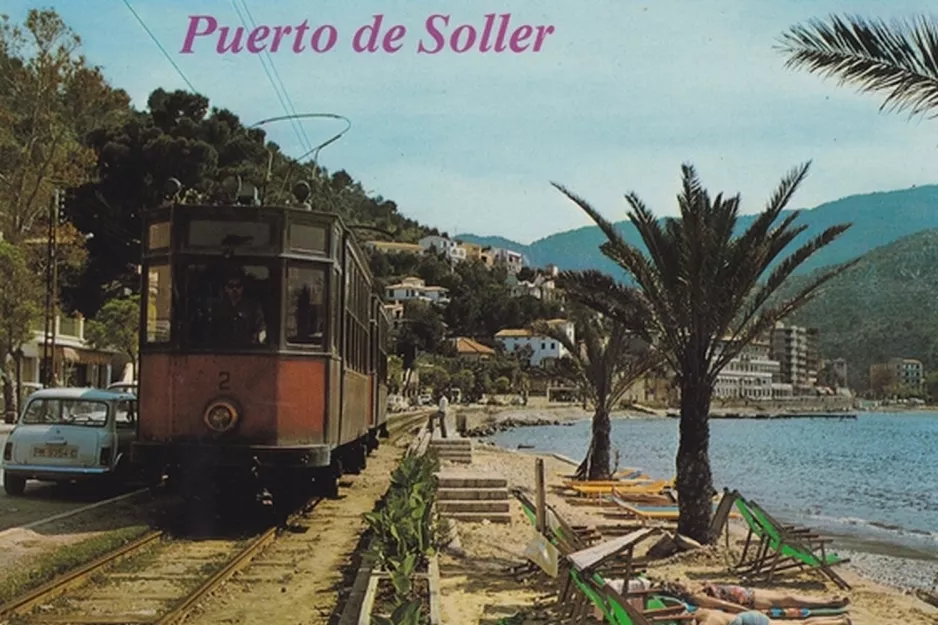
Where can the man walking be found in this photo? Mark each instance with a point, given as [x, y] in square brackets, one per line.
[442, 408]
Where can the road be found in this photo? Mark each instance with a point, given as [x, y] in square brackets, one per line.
[43, 500]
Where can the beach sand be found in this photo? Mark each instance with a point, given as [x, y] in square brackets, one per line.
[476, 588]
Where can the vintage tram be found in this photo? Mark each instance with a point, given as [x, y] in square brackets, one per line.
[263, 356]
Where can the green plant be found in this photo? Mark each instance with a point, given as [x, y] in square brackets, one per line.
[405, 532]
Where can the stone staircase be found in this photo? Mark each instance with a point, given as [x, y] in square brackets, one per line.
[473, 497]
[453, 449]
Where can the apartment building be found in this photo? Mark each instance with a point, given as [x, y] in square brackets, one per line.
[797, 353]
[512, 261]
[412, 287]
[752, 374]
[544, 349]
[908, 372]
[453, 250]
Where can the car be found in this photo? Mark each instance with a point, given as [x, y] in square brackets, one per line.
[128, 387]
[70, 434]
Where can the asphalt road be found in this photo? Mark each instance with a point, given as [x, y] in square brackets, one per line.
[42, 500]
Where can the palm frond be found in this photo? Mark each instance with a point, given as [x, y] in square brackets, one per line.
[900, 59]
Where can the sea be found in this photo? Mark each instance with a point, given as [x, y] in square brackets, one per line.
[870, 482]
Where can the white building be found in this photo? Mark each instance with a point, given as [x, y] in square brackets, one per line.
[541, 287]
[415, 288]
[77, 363]
[513, 261]
[543, 348]
[752, 375]
[453, 250]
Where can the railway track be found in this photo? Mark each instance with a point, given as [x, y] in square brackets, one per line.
[154, 580]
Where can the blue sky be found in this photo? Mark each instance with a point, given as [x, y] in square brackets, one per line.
[621, 94]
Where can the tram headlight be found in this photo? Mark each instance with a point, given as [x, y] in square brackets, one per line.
[221, 416]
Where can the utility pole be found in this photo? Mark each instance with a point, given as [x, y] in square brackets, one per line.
[56, 214]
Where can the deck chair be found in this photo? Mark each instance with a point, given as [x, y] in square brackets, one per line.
[783, 547]
[658, 610]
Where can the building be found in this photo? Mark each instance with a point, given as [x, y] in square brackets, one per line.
[512, 261]
[468, 349]
[451, 249]
[790, 347]
[475, 251]
[541, 287]
[394, 247]
[543, 349]
[908, 372]
[752, 374]
[415, 288]
[396, 315]
[812, 355]
[77, 362]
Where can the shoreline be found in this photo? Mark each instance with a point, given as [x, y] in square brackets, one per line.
[890, 563]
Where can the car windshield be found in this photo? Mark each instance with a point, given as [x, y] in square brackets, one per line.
[59, 411]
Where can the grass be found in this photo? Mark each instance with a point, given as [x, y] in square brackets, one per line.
[46, 567]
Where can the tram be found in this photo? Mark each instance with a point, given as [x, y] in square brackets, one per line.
[263, 349]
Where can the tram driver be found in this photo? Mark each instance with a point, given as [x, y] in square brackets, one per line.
[236, 319]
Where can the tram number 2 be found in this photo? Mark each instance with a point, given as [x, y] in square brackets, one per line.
[224, 381]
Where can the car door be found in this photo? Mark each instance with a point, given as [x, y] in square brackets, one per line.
[125, 425]
[60, 432]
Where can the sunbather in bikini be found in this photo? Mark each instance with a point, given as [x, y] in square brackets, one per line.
[739, 599]
[718, 617]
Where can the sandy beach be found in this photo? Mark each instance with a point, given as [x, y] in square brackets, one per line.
[477, 589]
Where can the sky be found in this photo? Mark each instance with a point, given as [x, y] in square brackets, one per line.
[621, 93]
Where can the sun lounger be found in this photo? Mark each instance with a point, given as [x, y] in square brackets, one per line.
[782, 547]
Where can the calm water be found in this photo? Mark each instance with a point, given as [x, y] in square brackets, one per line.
[871, 480]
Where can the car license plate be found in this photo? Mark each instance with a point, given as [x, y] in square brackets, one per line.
[55, 451]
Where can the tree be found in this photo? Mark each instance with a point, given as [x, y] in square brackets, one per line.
[604, 360]
[116, 326]
[19, 305]
[698, 284]
[897, 59]
[49, 99]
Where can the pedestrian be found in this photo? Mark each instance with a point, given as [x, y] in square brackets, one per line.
[442, 409]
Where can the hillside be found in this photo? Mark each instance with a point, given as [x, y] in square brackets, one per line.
[878, 219]
[882, 307]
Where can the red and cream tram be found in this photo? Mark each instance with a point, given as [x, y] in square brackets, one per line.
[263, 348]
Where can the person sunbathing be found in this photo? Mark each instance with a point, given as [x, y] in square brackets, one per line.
[739, 598]
[718, 617]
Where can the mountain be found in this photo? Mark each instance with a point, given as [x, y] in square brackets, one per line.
[878, 219]
[881, 308]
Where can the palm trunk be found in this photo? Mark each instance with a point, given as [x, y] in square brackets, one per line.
[598, 458]
[694, 481]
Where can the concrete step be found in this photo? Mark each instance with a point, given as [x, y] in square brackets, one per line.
[458, 459]
[473, 506]
[459, 455]
[443, 442]
[478, 517]
[468, 494]
[469, 480]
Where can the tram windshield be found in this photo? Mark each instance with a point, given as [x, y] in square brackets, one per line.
[228, 305]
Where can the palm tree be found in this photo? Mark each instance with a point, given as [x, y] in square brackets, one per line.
[698, 285]
[900, 59]
[605, 358]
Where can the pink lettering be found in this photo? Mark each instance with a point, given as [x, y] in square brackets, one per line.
[194, 20]
[256, 39]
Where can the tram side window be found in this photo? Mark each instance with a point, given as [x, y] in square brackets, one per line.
[305, 312]
[228, 305]
[159, 297]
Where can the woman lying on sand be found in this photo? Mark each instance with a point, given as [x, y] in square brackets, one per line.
[739, 599]
[717, 617]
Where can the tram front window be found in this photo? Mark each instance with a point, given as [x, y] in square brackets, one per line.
[305, 313]
[225, 305]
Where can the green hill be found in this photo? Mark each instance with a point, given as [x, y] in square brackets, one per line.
[878, 219]
[881, 308]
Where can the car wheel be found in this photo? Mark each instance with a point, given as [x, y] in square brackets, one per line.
[14, 485]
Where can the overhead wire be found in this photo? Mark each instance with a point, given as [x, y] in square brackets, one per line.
[160, 46]
[283, 87]
[297, 129]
